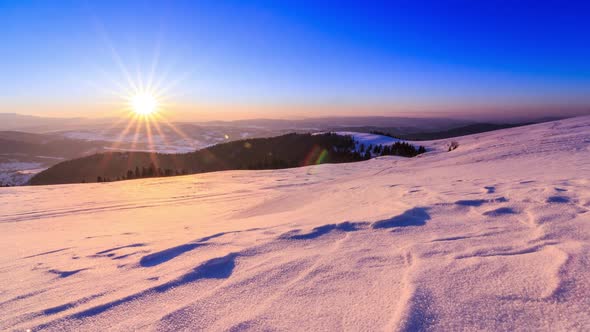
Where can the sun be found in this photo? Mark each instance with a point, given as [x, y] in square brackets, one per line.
[144, 104]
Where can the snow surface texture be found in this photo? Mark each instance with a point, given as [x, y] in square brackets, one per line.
[492, 236]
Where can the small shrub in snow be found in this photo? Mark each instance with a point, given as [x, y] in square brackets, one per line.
[453, 145]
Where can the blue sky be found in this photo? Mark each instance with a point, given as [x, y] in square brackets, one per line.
[414, 55]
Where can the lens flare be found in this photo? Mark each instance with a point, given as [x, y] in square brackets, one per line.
[144, 104]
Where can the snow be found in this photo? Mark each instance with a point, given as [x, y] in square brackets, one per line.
[492, 236]
[15, 173]
[366, 140]
[369, 139]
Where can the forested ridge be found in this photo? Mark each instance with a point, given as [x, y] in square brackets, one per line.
[290, 150]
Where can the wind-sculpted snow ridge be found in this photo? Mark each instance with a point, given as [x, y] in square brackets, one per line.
[494, 235]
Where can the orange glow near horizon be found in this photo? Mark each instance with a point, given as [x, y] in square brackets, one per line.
[141, 108]
[186, 111]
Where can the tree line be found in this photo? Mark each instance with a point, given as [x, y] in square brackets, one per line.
[286, 151]
[144, 172]
[402, 149]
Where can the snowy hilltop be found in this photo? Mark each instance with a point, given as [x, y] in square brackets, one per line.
[494, 235]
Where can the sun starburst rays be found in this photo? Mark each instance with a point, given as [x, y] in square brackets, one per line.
[145, 113]
[142, 92]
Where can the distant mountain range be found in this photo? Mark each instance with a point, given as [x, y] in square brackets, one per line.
[38, 124]
[23, 154]
[34, 143]
[450, 133]
[403, 124]
[20, 144]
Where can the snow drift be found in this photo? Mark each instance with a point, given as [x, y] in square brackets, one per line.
[492, 236]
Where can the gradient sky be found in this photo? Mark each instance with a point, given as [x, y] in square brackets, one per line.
[75, 56]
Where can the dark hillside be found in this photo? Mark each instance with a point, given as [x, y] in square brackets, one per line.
[461, 131]
[291, 150]
[411, 134]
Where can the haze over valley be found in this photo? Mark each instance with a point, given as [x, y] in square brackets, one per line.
[265, 165]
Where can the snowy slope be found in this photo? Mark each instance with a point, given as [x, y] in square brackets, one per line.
[364, 141]
[492, 236]
[369, 139]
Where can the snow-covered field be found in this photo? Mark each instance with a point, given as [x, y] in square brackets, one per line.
[369, 139]
[16, 173]
[492, 236]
